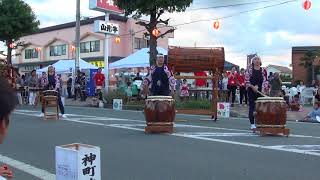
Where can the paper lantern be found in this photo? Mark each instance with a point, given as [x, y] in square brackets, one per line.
[307, 5]
[117, 40]
[155, 32]
[73, 48]
[216, 25]
[38, 49]
[11, 45]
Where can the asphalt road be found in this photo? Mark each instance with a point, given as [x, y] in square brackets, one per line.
[198, 150]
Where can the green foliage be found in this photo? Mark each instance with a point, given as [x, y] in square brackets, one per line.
[307, 62]
[17, 19]
[115, 95]
[194, 104]
[285, 78]
[146, 7]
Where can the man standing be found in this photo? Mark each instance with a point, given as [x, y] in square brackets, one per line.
[98, 80]
[160, 78]
[7, 104]
[232, 85]
[77, 89]
[83, 86]
[69, 87]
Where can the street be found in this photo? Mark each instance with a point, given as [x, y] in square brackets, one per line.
[199, 149]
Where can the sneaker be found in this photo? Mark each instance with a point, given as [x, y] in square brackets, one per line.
[64, 116]
[318, 118]
[41, 115]
[253, 126]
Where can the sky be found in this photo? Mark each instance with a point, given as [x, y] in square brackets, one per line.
[270, 32]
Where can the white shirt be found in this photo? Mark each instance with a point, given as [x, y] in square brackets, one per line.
[225, 83]
[300, 88]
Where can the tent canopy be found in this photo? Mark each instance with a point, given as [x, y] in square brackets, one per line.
[67, 66]
[137, 59]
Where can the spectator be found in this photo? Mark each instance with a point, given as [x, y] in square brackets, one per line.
[138, 82]
[224, 81]
[314, 115]
[7, 105]
[275, 84]
[32, 84]
[69, 86]
[98, 80]
[295, 103]
[77, 90]
[314, 84]
[232, 85]
[184, 90]
[64, 85]
[300, 87]
[19, 86]
[43, 81]
[83, 87]
[270, 77]
[242, 86]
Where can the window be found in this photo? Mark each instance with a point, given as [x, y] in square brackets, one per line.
[58, 50]
[31, 54]
[140, 43]
[90, 46]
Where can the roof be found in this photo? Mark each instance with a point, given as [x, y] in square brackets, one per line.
[282, 69]
[305, 48]
[82, 22]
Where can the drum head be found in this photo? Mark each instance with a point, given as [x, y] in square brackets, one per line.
[159, 97]
[266, 99]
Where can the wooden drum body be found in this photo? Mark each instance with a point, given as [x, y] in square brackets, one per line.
[271, 115]
[159, 113]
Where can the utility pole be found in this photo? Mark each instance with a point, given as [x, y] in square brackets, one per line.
[106, 57]
[77, 45]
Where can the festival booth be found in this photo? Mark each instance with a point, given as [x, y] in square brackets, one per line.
[67, 66]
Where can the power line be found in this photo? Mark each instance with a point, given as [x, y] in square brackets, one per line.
[231, 5]
[223, 17]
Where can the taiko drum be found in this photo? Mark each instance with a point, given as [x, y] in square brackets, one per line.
[159, 110]
[271, 111]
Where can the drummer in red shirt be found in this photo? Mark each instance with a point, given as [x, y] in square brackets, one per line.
[232, 84]
[98, 79]
[243, 91]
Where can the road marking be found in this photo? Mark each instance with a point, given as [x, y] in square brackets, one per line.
[210, 134]
[36, 172]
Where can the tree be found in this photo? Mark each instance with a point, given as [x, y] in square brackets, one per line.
[17, 19]
[154, 9]
[307, 61]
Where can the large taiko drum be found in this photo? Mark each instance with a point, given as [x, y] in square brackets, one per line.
[271, 111]
[159, 111]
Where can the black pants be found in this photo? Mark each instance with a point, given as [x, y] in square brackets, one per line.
[76, 92]
[243, 93]
[69, 92]
[252, 96]
[232, 91]
[61, 107]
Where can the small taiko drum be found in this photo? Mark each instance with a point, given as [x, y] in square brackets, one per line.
[160, 113]
[271, 112]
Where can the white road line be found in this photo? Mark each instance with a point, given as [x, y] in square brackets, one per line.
[36, 172]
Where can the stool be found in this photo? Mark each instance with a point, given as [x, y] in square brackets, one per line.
[50, 100]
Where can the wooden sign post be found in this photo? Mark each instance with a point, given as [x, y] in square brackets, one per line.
[182, 59]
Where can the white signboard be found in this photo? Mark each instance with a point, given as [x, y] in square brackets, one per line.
[106, 27]
[106, 6]
[78, 162]
[223, 109]
[117, 104]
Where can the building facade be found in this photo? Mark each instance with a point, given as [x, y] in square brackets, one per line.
[50, 44]
[299, 72]
[282, 70]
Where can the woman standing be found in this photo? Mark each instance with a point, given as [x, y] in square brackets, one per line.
[275, 85]
[232, 84]
[53, 83]
[256, 80]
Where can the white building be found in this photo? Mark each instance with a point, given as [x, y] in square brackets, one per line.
[282, 70]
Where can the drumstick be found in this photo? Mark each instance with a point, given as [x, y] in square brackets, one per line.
[262, 94]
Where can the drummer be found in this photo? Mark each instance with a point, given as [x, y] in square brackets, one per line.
[256, 81]
[53, 83]
[160, 78]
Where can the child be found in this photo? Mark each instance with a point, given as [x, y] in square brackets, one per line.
[184, 89]
[314, 115]
[295, 105]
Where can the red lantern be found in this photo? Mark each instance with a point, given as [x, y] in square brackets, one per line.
[216, 25]
[155, 32]
[117, 39]
[307, 5]
[73, 48]
[11, 45]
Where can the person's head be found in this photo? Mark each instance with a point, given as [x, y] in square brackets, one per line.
[44, 74]
[256, 61]
[301, 83]
[224, 74]
[138, 74]
[99, 70]
[33, 73]
[78, 72]
[7, 105]
[51, 71]
[242, 71]
[83, 74]
[160, 60]
[276, 75]
[270, 73]
[184, 81]
[316, 105]
[313, 81]
[233, 69]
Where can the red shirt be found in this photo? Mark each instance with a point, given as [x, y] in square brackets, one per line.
[99, 79]
[232, 79]
[241, 80]
[201, 82]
